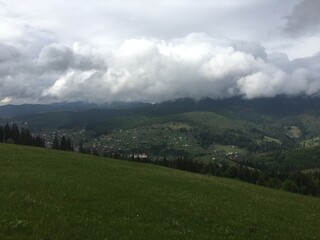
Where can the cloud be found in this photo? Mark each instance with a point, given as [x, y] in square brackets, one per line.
[194, 66]
[25, 72]
[57, 57]
[113, 21]
[152, 70]
[7, 53]
[304, 19]
[147, 50]
[5, 100]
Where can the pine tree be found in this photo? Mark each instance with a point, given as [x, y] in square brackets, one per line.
[55, 143]
[63, 144]
[38, 142]
[1, 134]
[15, 133]
[69, 146]
[7, 132]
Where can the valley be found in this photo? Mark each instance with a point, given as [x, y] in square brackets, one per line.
[276, 144]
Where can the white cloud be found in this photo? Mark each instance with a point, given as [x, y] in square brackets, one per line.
[5, 100]
[155, 70]
[118, 50]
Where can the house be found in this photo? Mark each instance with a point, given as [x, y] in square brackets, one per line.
[139, 155]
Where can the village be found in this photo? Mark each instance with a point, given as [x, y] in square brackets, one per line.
[168, 140]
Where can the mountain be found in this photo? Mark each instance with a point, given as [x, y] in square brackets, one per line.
[275, 106]
[202, 129]
[28, 109]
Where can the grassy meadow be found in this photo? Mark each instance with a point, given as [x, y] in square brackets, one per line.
[47, 194]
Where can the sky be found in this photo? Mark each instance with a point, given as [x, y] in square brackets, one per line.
[151, 51]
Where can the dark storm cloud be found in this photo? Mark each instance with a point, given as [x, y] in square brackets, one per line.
[57, 57]
[7, 53]
[305, 18]
[25, 77]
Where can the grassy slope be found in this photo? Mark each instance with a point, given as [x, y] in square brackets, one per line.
[46, 194]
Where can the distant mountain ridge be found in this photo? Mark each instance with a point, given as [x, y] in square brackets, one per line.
[275, 106]
[27, 109]
[185, 127]
[279, 106]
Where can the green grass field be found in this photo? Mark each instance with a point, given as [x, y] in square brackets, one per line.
[47, 194]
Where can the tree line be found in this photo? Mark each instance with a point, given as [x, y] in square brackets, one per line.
[297, 181]
[12, 134]
[63, 144]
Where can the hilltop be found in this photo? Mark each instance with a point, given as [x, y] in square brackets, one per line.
[47, 194]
